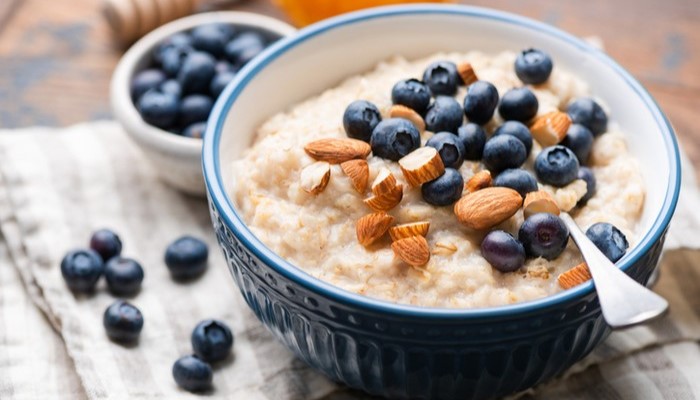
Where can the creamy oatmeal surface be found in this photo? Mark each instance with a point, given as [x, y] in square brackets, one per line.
[317, 233]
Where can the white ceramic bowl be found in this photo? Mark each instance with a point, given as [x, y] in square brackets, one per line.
[176, 158]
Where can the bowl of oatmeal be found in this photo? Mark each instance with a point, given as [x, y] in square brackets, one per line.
[375, 237]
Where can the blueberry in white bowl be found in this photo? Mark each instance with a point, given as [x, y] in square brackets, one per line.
[502, 152]
[518, 130]
[442, 78]
[518, 104]
[517, 179]
[533, 66]
[450, 148]
[394, 138]
[608, 239]
[504, 252]
[411, 93]
[589, 113]
[473, 138]
[543, 235]
[556, 166]
[444, 114]
[360, 118]
[480, 102]
[580, 140]
[444, 190]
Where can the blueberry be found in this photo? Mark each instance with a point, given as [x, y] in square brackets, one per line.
[195, 131]
[442, 78]
[480, 102]
[518, 104]
[519, 130]
[122, 321]
[176, 41]
[224, 66]
[444, 190]
[195, 108]
[186, 257]
[533, 66]
[608, 239]
[106, 243]
[544, 235]
[244, 47]
[123, 276]
[219, 82]
[173, 59]
[503, 152]
[503, 251]
[146, 80]
[587, 175]
[517, 179]
[393, 138]
[212, 340]
[411, 93]
[196, 73]
[192, 374]
[445, 114]
[81, 269]
[474, 138]
[580, 140]
[556, 166]
[587, 112]
[158, 109]
[171, 87]
[360, 118]
[450, 148]
[210, 38]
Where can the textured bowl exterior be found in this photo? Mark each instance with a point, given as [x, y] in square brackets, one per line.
[400, 357]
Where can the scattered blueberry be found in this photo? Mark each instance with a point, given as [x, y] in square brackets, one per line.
[503, 251]
[480, 102]
[186, 257]
[219, 82]
[360, 118]
[544, 235]
[517, 129]
[556, 166]
[442, 78]
[123, 276]
[176, 41]
[244, 47]
[474, 138]
[81, 269]
[106, 243]
[411, 93]
[393, 138]
[212, 340]
[171, 87]
[517, 179]
[518, 104]
[146, 80]
[211, 38]
[533, 66]
[445, 114]
[195, 131]
[587, 175]
[192, 374]
[158, 108]
[122, 321]
[173, 59]
[450, 148]
[444, 190]
[197, 72]
[503, 152]
[194, 108]
[587, 112]
[580, 140]
[608, 239]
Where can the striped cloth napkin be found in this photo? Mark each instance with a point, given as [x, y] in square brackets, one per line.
[57, 186]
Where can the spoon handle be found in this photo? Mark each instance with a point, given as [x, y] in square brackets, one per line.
[623, 300]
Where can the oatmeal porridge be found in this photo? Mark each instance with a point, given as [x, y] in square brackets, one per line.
[308, 211]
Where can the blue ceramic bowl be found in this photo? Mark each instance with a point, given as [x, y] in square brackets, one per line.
[406, 351]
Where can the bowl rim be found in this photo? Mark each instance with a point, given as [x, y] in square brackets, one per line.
[123, 106]
[227, 211]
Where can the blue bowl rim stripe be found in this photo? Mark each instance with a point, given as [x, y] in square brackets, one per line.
[214, 182]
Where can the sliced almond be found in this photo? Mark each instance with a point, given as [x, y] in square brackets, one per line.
[421, 165]
[466, 72]
[400, 111]
[315, 177]
[550, 128]
[488, 207]
[385, 201]
[385, 182]
[403, 231]
[358, 172]
[539, 202]
[412, 250]
[575, 276]
[371, 227]
[480, 180]
[337, 150]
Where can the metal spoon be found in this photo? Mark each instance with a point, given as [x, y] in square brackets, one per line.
[623, 300]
